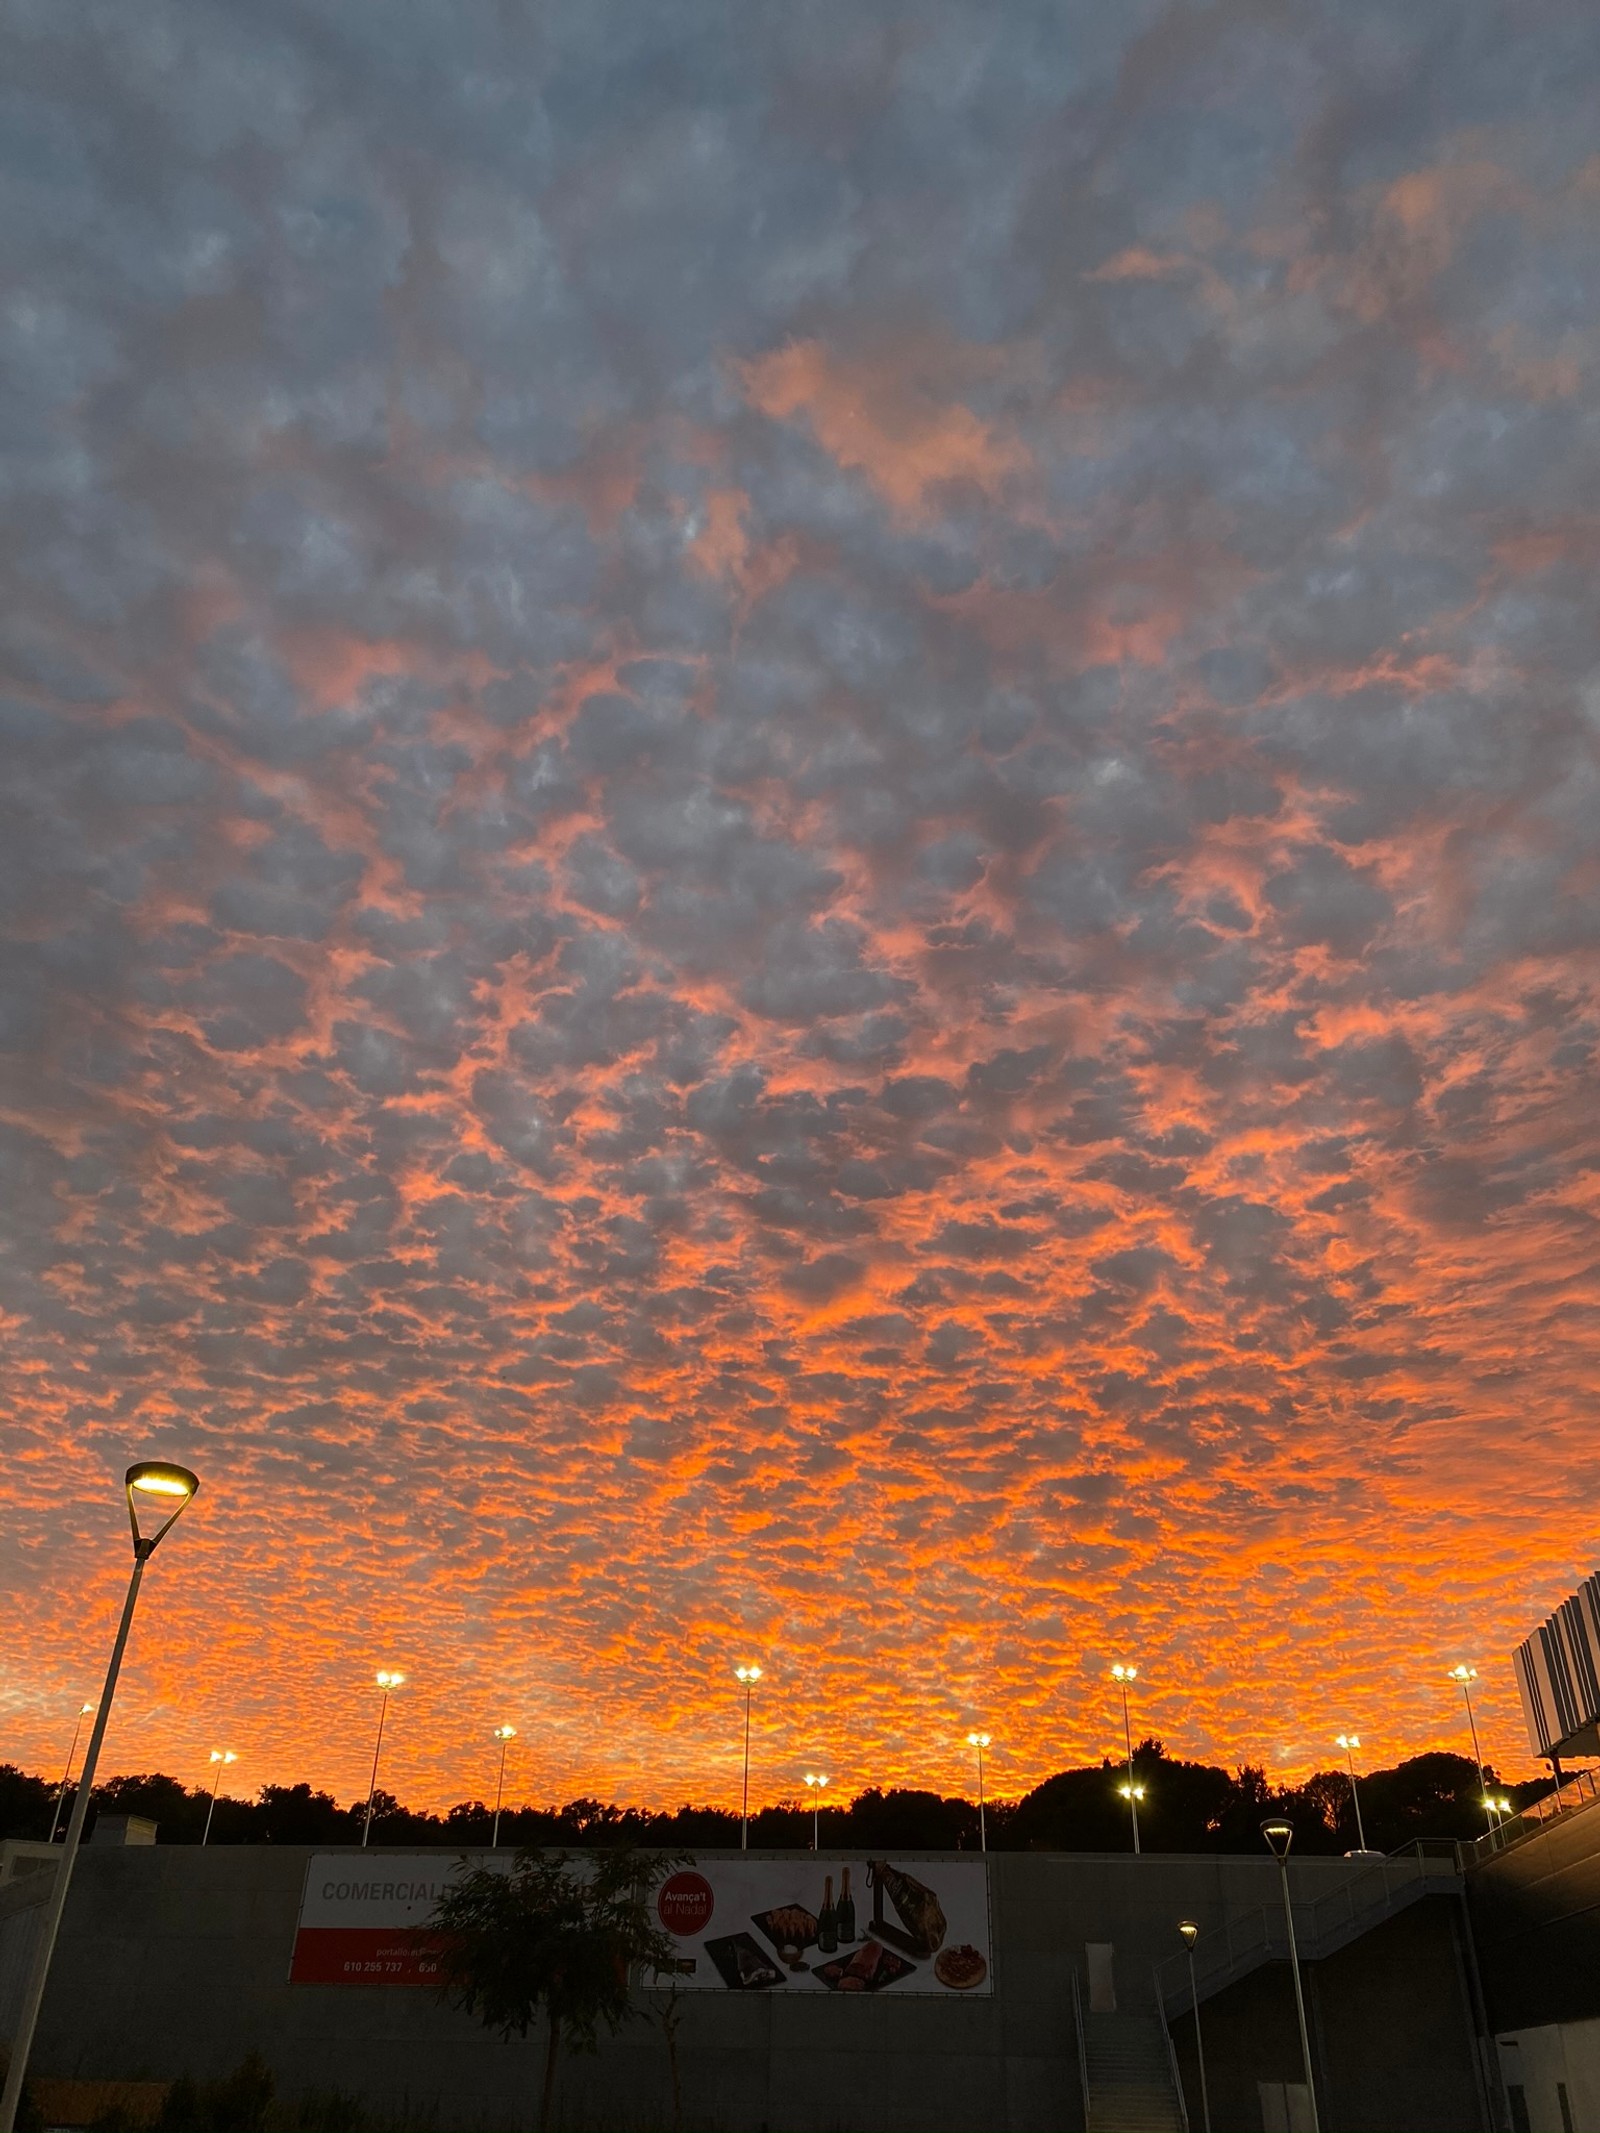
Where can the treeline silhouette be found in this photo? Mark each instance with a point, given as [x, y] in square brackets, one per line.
[1187, 1807]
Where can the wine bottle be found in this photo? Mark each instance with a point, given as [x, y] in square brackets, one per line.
[844, 1917]
[828, 1923]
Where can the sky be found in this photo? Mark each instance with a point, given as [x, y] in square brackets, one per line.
[799, 864]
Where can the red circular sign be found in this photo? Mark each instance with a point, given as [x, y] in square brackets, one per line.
[684, 1904]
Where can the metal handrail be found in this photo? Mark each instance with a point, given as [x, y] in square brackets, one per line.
[1083, 2049]
[1582, 1789]
[1237, 1944]
[1172, 2054]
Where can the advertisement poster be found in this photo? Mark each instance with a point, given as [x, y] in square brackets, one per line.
[363, 1916]
[811, 1923]
[805, 1922]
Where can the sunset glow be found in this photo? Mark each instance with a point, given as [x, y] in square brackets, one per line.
[801, 858]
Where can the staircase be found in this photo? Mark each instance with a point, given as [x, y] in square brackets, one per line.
[1375, 1891]
[1128, 2075]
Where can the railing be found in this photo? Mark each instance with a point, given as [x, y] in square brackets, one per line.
[1083, 2049]
[1582, 1789]
[1172, 2055]
[1236, 1945]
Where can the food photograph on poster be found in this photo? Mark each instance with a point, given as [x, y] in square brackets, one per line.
[817, 1924]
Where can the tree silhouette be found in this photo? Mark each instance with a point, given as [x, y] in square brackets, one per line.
[557, 1936]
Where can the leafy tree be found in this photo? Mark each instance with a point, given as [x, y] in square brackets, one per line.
[555, 1936]
[26, 1803]
[294, 1814]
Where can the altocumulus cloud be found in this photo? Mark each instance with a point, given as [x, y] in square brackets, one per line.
[799, 859]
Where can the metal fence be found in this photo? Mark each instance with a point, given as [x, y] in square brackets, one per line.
[1374, 1890]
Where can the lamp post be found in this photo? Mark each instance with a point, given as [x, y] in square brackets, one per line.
[221, 1757]
[815, 1779]
[156, 1494]
[1280, 1835]
[980, 1741]
[505, 1735]
[1190, 1933]
[388, 1681]
[61, 1790]
[749, 1675]
[1465, 1676]
[1350, 1742]
[1122, 1675]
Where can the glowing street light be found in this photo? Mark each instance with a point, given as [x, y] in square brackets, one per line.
[1131, 1792]
[817, 1779]
[505, 1735]
[156, 1493]
[222, 1757]
[1465, 1676]
[388, 1681]
[980, 1741]
[1279, 1833]
[749, 1675]
[1189, 1933]
[66, 1775]
[1350, 1742]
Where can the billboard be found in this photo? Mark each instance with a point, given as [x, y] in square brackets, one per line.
[813, 1923]
[808, 1922]
[1558, 1674]
[364, 1915]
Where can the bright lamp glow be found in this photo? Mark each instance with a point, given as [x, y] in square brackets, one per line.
[1463, 1674]
[1131, 1792]
[1124, 1673]
[816, 1777]
[1348, 1740]
[1190, 1932]
[387, 1680]
[505, 1732]
[747, 1673]
[156, 1490]
[223, 1755]
[977, 1740]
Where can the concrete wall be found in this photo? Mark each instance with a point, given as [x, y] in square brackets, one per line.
[1391, 2027]
[1551, 2066]
[174, 1960]
[1536, 1918]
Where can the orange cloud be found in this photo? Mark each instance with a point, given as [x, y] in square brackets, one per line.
[870, 416]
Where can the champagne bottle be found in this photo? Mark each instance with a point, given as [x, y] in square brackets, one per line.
[828, 1923]
[844, 1917]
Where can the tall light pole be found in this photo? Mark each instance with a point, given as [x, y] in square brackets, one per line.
[66, 1776]
[221, 1757]
[980, 1741]
[505, 1735]
[815, 1779]
[388, 1681]
[1280, 1835]
[1465, 1676]
[156, 1494]
[749, 1675]
[1122, 1675]
[1190, 1933]
[1350, 1742]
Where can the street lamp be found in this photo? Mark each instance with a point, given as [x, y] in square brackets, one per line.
[505, 1735]
[1466, 1676]
[1131, 1792]
[1189, 1932]
[388, 1681]
[221, 1757]
[749, 1675]
[61, 1792]
[817, 1779]
[1280, 1835]
[1350, 1742]
[980, 1741]
[156, 1493]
